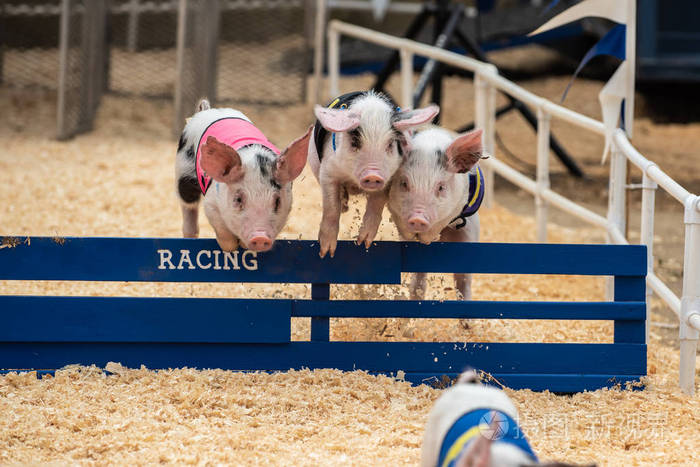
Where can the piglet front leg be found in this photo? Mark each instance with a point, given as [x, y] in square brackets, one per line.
[418, 286]
[469, 233]
[330, 220]
[225, 238]
[372, 218]
[190, 221]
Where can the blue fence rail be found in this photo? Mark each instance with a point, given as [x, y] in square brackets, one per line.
[46, 332]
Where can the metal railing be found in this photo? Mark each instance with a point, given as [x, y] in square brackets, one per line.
[486, 82]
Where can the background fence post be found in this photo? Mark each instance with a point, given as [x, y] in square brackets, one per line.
[406, 78]
[543, 128]
[207, 43]
[62, 131]
[616, 201]
[690, 300]
[132, 31]
[485, 118]
[319, 30]
[333, 62]
[647, 233]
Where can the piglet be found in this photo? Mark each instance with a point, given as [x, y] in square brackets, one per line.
[436, 193]
[245, 181]
[475, 425]
[358, 143]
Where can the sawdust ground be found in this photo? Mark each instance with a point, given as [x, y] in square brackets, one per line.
[118, 181]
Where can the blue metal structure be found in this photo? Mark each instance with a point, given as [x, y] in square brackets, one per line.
[46, 333]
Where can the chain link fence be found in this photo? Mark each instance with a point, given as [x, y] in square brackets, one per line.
[232, 51]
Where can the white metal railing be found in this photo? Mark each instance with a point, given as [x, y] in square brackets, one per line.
[486, 82]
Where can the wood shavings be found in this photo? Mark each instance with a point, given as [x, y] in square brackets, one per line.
[118, 181]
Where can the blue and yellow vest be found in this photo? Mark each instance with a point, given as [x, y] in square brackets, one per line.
[470, 425]
[476, 196]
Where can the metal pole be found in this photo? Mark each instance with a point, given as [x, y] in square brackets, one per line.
[333, 62]
[61, 130]
[647, 234]
[543, 129]
[319, 28]
[180, 67]
[209, 20]
[630, 57]
[689, 331]
[431, 70]
[406, 79]
[133, 26]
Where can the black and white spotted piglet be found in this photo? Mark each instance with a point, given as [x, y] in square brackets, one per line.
[357, 147]
[245, 180]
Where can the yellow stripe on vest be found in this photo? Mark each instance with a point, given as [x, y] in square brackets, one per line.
[478, 187]
[459, 443]
[334, 103]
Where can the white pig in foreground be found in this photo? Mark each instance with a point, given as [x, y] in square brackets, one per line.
[474, 425]
[436, 193]
[359, 140]
[245, 180]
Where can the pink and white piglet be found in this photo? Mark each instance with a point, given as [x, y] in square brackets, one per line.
[358, 143]
[245, 180]
[436, 193]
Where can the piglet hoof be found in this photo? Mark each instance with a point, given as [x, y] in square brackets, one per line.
[328, 244]
[366, 236]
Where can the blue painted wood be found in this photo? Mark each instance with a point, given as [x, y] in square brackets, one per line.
[630, 288]
[163, 333]
[623, 311]
[421, 357]
[195, 260]
[200, 260]
[136, 319]
[320, 326]
[564, 383]
[525, 258]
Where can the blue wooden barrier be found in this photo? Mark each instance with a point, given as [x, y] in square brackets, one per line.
[45, 332]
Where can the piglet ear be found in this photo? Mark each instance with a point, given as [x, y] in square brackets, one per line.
[407, 119]
[221, 162]
[465, 152]
[337, 120]
[293, 159]
[203, 105]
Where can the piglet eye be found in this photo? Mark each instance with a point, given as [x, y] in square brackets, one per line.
[403, 185]
[238, 199]
[390, 147]
[277, 203]
[441, 188]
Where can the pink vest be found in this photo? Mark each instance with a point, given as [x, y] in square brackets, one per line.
[235, 132]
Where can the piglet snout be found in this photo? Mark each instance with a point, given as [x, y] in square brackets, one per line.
[418, 223]
[371, 180]
[260, 241]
